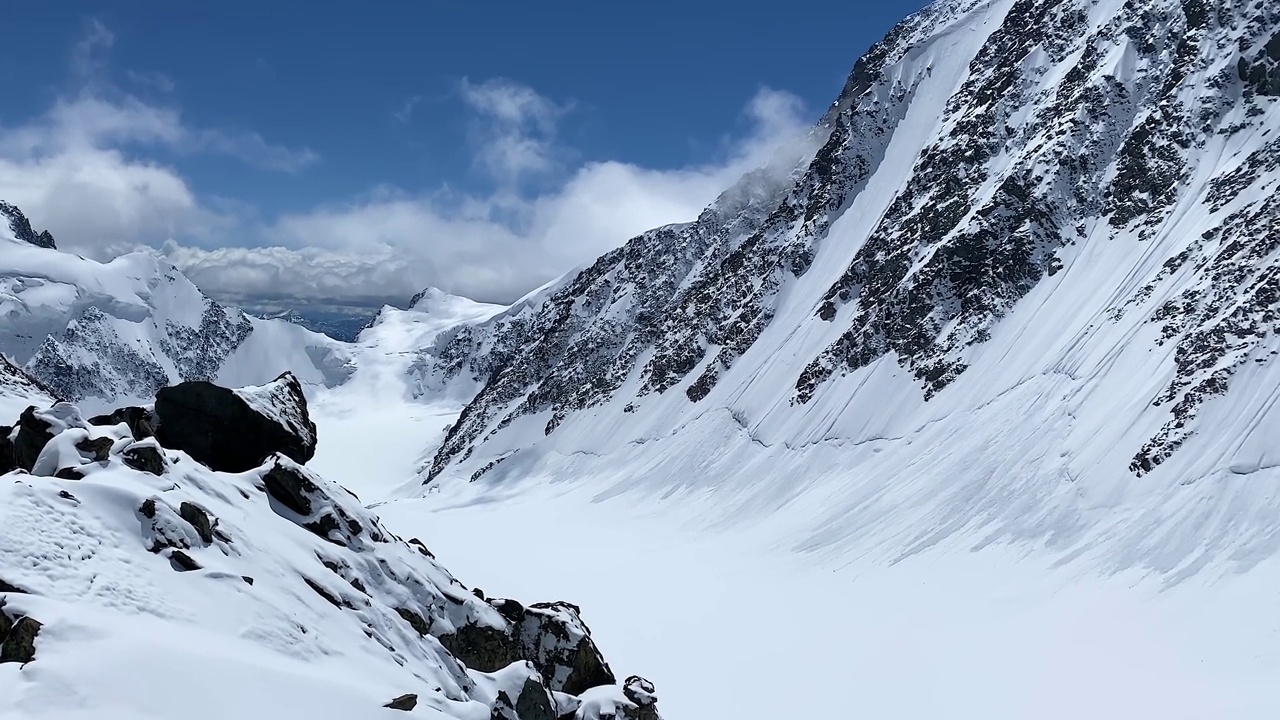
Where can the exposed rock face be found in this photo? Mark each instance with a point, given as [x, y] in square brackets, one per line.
[406, 702]
[34, 431]
[554, 638]
[21, 227]
[17, 638]
[8, 457]
[1038, 149]
[234, 431]
[140, 421]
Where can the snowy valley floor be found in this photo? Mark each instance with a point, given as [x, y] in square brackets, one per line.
[733, 624]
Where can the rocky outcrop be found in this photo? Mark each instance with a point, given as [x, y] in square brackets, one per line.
[523, 662]
[17, 637]
[21, 227]
[140, 421]
[406, 702]
[236, 430]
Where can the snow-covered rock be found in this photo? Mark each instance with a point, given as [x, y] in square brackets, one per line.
[123, 329]
[272, 590]
[235, 430]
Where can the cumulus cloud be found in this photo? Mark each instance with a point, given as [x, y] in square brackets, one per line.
[86, 170]
[491, 247]
[513, 128]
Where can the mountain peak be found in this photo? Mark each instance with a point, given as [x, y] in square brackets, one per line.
[21, 228]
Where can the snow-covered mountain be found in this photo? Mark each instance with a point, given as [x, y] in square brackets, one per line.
[122, 329]
[1034, 258]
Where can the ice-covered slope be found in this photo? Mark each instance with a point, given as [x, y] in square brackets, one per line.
[124, 328]
[1025, 292]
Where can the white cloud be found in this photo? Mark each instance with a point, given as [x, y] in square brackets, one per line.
[405, 113]
[514, 128]
[87, 170]
[493, 247]
[152, 80]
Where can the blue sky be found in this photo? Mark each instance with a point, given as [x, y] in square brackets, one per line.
[331, 149]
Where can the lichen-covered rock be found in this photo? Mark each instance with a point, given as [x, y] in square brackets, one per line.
[236, 430]
[482, 647]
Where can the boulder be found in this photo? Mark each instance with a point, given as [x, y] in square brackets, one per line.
[34, 432]
[145, 456]
[37, 427]
[643, 695]
[553, 637]
[405, 702]
[198, 519]
[140, 421]
[236, 430]
[19, 645]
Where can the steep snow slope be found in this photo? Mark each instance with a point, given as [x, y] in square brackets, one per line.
[122, 329]
[1024, 293]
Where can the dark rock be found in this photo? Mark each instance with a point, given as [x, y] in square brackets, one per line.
[95, 449]
[7, 587]
[512, 610]
[553, 637]
[33, 434]
[534, 703]
[198, 519]
[482, 648]
[21, 228]
[643, 694]
[422, 548]
[248, 580]
[69, 473]
[140, 421]
[478, 593]
[292, 488]
[320, 590]
[415, 620]
[148, 508]
[405, 702]
[222, 430]
[145, 457]
[67, 496]
[8, 461]
[20, 641]
[183, 562]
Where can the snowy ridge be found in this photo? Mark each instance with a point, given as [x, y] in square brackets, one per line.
[154, 582]
[122, 329]
[1029, 275]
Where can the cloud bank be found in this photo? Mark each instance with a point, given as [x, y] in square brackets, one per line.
[89, 170]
